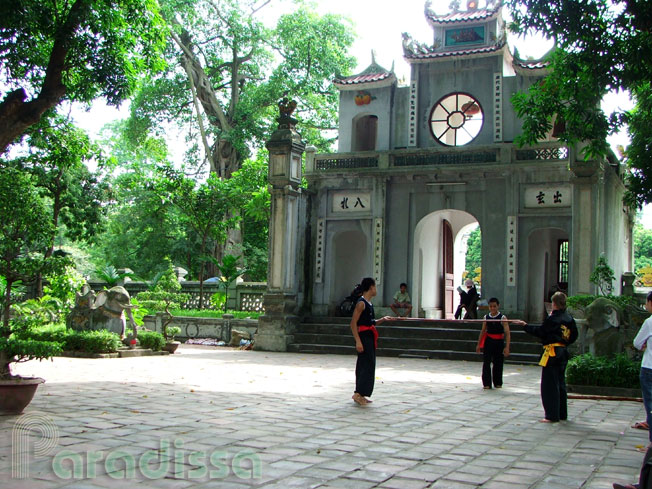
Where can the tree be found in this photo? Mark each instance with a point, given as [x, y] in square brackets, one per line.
[204, 208]
[74, 50]
[603, 46]
[474, 254]
[25, 230]
[642, 247]
[235, 70]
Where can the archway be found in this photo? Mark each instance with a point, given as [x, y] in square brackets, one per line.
[429, 269]
[350, 259]
[548, 268]
[365, 129]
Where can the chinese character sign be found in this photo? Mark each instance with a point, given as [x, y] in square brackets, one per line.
[548, 196]
[353, 201]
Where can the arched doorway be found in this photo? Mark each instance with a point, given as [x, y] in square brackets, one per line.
[548, 268]
[365, 129]
[436, 237]
[350, 259]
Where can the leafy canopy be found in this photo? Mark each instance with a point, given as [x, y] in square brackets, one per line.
[603, 46]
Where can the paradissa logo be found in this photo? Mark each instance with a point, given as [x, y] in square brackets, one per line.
[157, 464]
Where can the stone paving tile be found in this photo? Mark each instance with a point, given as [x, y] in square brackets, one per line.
[431, 425]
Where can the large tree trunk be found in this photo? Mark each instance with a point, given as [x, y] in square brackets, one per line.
[17, 115]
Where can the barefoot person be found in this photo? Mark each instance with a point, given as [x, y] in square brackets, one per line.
[363, 327]
[493, 343]
[556, 333]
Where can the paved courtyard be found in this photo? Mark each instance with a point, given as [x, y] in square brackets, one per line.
[222, 418]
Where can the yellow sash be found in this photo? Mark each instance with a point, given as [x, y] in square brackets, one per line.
[549, 351]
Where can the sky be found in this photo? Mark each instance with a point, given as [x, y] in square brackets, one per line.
[378, 25]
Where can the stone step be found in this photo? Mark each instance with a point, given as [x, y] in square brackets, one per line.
[455, 340]
[514, 358]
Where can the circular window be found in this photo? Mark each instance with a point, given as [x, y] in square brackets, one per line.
[456, 119]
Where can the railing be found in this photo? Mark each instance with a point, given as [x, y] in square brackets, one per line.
[243, 296]
[502, 153]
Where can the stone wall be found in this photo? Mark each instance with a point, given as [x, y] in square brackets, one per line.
[191, 327]
[243, 296]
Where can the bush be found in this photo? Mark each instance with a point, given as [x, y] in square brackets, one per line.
[582, 301]
[615, 371]
[101, 341]
[151, 339]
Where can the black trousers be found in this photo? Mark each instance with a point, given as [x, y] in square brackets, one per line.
[493, 353]
[365, 367]
[553, 386]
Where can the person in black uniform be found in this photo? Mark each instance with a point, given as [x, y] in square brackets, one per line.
[363, 327]
[494, 344]
[468, 301]
[556, 333]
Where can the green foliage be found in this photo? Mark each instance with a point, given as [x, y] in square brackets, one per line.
[19, 341]
[25, 230]
[474, 253]
[581, 301]
[171, 332]
[151, 339]
[603, 276]
[63, 286]
[599, 49]
[165, 294]
[230, 270]
[111, 276]
[616, 371]
[138, 312]
[218, 301]
[207, 313]
[642, 247]
[73, 51]
[101, 341]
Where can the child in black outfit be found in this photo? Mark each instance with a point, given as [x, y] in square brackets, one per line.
[494, 345]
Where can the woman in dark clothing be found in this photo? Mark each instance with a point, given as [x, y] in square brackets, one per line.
[363, 327]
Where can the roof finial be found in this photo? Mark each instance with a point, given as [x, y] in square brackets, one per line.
[373, 56]
[392, 69]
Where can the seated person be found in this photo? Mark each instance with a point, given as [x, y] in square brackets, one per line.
[468, 301]
[402, 300]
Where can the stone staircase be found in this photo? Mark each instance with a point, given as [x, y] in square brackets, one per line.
[415, 339]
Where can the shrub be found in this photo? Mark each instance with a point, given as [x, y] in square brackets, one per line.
[582, 301]
[101, 341]
[151, 339]
[615, 371]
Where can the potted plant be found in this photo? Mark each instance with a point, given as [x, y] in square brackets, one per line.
[25, 230]
[164, 296]
[169, 332]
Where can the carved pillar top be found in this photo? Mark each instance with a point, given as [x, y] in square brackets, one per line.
[286, 132]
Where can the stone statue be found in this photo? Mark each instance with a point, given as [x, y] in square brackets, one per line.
[107, 311]
[603, 330]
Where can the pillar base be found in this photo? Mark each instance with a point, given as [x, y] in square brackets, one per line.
[277, 326]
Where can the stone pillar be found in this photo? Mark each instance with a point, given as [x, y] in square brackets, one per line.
[276, 327]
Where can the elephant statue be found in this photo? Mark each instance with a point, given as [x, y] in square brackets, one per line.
[603, 331]
[108, 310]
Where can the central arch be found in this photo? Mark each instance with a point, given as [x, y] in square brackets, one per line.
[432, 264]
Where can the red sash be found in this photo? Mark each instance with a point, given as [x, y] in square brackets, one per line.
[500, 336]
[373, 330]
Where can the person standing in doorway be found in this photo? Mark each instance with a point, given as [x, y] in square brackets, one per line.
[494, 344]
[556, 333]
[363, 327]
[468, 301]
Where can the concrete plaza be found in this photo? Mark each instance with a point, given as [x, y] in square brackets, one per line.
[222, 418]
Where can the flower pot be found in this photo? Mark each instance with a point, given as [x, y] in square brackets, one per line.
[17, 393]
[171, 346]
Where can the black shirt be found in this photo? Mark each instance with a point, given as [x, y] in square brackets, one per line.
[367, 317]
[559, 327]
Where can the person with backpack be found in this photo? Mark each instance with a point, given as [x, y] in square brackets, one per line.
[556, 333]
[363, 327]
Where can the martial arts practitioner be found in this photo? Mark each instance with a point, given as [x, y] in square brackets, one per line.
[363, 327]
[556, 333]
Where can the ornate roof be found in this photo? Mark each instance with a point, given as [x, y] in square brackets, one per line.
[373, 74]
[531, 66]
[462, 17]
[414, 51]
